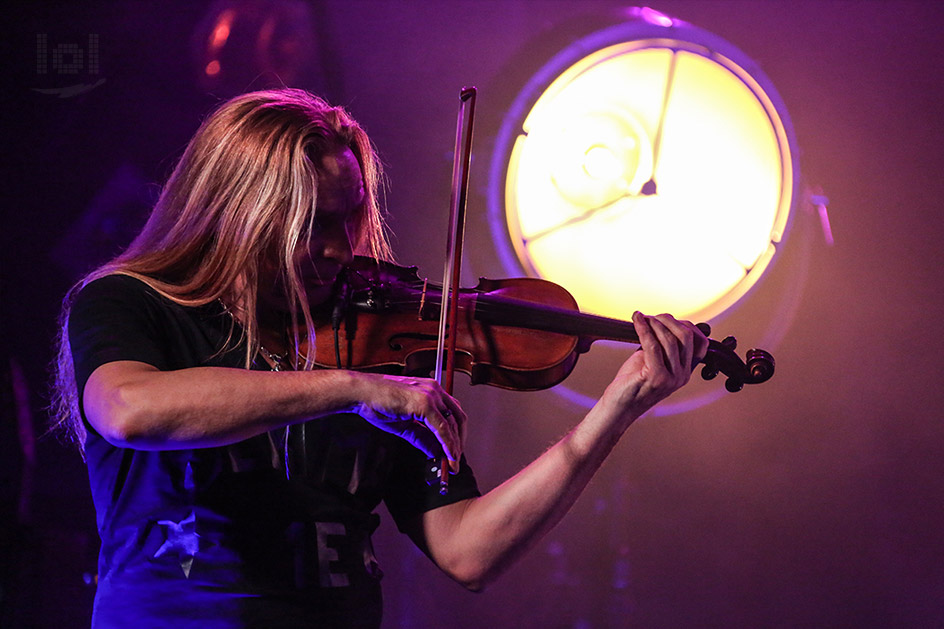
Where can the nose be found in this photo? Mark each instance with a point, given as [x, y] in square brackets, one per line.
[339, 245]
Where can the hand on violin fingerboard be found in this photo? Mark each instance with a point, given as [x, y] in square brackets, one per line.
[661, 366]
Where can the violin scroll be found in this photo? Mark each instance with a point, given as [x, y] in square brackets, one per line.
[760, 364]
[721, 358]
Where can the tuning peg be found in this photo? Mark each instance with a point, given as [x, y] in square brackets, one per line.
[708, 372]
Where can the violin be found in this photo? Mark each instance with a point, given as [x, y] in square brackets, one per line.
[523, 334]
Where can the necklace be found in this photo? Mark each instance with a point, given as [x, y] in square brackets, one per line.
[274, 359]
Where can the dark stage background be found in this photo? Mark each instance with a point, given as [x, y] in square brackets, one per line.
[814, 500]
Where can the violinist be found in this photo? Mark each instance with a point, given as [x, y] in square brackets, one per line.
[235, 484]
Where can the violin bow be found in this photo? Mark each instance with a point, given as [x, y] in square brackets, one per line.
[449, 310]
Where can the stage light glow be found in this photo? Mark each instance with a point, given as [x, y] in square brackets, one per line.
[220, 32]
[242, 45]
[648, 166]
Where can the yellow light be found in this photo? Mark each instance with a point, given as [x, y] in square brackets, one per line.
[601, 163]
[653, 174]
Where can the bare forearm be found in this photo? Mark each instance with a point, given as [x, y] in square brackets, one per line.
[135, 406]
[487, 534]
[475, 540]
[132, 404]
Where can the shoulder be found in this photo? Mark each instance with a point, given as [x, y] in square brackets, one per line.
[119, 290]
[115, 285]
[113, 298]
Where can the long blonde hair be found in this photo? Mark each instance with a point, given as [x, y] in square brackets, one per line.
[246, 186]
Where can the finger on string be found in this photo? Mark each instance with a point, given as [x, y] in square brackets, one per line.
[648, 342]
[701, 342]
[685, 333]
[668, 342]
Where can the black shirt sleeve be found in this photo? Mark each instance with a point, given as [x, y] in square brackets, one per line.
[112, 319]
[411, 494]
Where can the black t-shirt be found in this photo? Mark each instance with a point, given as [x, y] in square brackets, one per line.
[273, 531]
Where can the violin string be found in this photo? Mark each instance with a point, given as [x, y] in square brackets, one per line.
[618, 329]
[484, 306]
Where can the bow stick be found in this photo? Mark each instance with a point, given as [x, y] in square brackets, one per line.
[446, 343]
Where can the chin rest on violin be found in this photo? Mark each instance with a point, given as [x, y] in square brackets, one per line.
[521, 333]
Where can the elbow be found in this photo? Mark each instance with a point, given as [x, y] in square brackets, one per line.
[473, 575]
[477, 582]
[130, 406]
[468, 548]
[119, 416]
[476, 586]
[472, 582]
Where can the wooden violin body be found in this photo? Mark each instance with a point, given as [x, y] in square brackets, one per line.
[522, 333]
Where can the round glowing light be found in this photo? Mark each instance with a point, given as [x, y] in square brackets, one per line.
[600, 163]
[648, 166]
[594, 156]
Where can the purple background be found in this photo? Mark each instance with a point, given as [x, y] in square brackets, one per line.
[812, 500]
